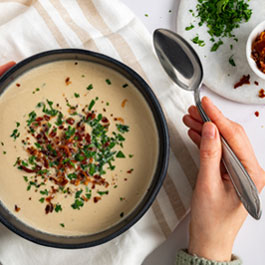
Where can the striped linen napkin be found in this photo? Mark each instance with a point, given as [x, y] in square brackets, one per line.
[30, 26]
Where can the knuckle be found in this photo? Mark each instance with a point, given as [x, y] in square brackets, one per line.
[261, 180]
[238, 129]
[206, 189]
[206, 154]
[258, 177]
[234, 132]
[262, 183]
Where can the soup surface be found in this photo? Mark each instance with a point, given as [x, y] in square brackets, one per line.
[78, 149]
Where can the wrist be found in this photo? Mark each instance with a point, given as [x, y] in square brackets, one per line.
[218, 251]
[183, 257]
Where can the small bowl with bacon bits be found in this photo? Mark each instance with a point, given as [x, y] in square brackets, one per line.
[255, 50]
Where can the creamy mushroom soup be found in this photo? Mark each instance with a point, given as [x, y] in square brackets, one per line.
[79, 147]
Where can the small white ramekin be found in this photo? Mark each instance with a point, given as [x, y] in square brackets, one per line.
[252, 36]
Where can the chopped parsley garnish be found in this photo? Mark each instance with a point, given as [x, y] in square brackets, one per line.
[120, 137]
[32, 117]
[76, 95]
[32, 183]
[44, 192]
[120, 154]
[91, 104]
[130, 156]
[59, 120]
[62, 224]
[121, 214]
[58, 208]
[88, 195]
[78, 193]
[48, 110]
[25, 164]
[122, 128]
[36, 90]
[15, 134]
[103, 192]
[77, 204]
[222, 17]
[70, 156]
[90, 87]
[231, 61]
[216, 46]
[108, 81]
[31, 160]
[37, 145]
[17, 162]
[196, 40]
[189, 27]
[72, 176]
[92, 169]
[124, 85]
[69, 132]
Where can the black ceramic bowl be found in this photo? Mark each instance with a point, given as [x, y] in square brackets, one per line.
[9, 220]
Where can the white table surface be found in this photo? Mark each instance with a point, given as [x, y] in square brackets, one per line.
[250, 242]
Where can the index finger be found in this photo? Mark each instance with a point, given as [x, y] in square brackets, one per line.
[231, 131]
[6, 66]
[236, 137]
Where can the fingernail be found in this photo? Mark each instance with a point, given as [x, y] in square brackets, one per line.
[208, 130]
[207, 99]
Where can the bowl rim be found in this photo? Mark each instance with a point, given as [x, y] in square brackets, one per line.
[253, 34]
[163, 153]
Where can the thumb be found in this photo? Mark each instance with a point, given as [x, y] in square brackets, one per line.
[210, 151]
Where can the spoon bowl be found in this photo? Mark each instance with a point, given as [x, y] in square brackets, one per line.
[173, 49]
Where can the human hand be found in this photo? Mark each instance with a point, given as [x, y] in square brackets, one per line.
[5, 67]
[216, 211]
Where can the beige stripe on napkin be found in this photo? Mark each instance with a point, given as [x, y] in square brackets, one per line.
[174, 197]
[162, 222]
[51, 25]
[23, 2]
[182, 154]
[122, 47]
[87, 41]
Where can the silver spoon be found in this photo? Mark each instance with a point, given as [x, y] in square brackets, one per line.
[183, 65]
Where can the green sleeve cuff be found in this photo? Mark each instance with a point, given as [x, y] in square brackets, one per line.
[183, 258]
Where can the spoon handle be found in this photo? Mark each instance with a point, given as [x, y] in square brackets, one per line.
[243, 184]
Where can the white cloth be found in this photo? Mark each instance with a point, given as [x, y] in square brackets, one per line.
[28, 27]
